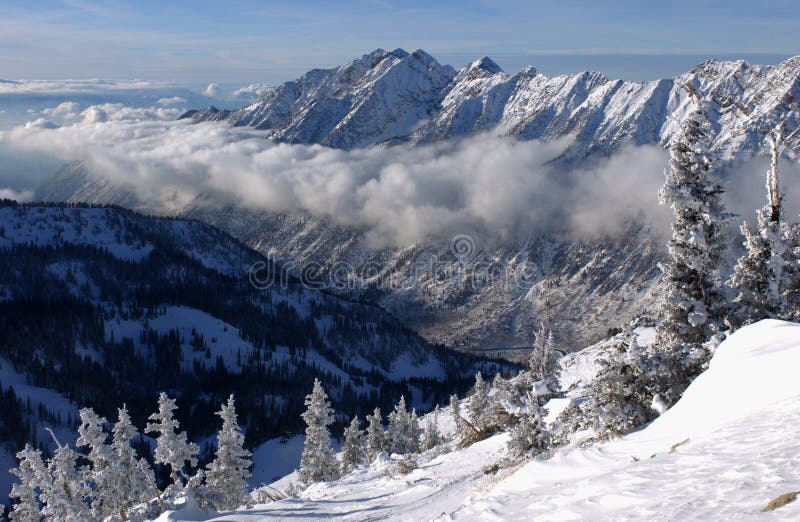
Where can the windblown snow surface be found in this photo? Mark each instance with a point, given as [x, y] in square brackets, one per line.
[721, 453]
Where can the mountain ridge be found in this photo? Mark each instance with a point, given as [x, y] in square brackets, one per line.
[356, 105]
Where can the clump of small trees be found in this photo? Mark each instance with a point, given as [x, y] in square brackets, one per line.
[110, 480]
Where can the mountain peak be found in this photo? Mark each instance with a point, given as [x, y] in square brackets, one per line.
[528, 71]
[484, 63]
[424, 57]
[400, 53]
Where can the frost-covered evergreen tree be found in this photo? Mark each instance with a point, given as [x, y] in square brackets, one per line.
[130, 479]
[416, 430]
[693, 305]
[226, 476]
[479, 404]
[458, 420]
[403, 431]
[353, 450]
[758, 274]
[530, 434]
[791, 273]
[99, 477]
[765, 276]
[570, 420]
[29, 473]
[509, 400]
[318, 463]
[63, 492]
[172, 447]
[543, 358]
[620, 396]
[376, 436]
[432, 437]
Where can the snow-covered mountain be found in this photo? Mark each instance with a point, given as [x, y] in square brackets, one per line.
[382, 96]
[397, 97]
[104, 306]
[580, 287]
[723, 452]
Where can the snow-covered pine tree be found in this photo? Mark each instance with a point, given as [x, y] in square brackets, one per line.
[765, 275]
[458, 420]
[92, 436]
[172, 447]
[620, 396]
[693, 305]
[758, 273]
[353, 450]
[318, 462]
[543, 359]
[130, 479]
[226, 476]
[530, 434]
[376, 437]
[432, 437]
[63, 493]
[479, 404]
[570, 420]
[791, 272]
[508, 400]
[403, 432]
[29, 473]
[416, 430]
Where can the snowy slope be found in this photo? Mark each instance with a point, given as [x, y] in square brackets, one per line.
[738, 421]
[721, 453]
[104, 306]
[119, 232]
[133, 238]
[59, 226]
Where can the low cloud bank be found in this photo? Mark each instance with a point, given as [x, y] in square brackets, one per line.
[16, 195]
[399, 195]
[486, 184]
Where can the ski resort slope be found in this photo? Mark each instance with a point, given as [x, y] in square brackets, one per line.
[722, 452]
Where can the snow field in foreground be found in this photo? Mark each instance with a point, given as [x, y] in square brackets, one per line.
[721, 453]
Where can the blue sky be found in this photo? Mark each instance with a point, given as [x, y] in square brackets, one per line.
[238, 42]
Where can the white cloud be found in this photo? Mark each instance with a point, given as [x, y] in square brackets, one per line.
[398, 195]
[119, 112]
[172, 100]
[94, 114]
[76, 86]
[41, 123]
[251, 92]
[21, 196]
[67, 110]
[213, 90]
[618, 190]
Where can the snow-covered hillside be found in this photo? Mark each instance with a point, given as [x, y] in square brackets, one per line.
[105, 306]
[722, 452]
[400, 97]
